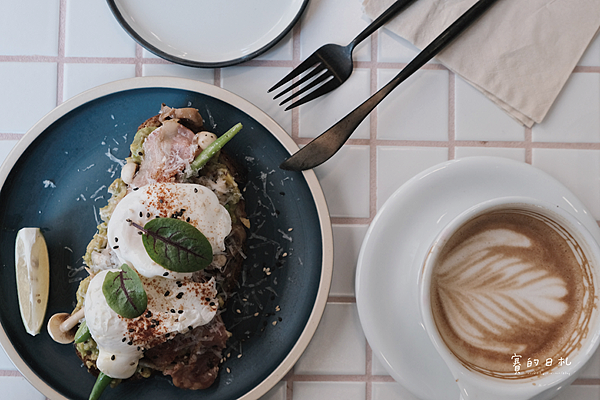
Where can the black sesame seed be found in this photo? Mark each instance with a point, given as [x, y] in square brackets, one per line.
[173, 310]
[190, 327]
[167, 334]
[167, 293]
[141, 214]
[212, 304]
[112, 357]
[187, 219]
[180, 311]
[179, 295]
[195, 190]
[179, 284]
[147, 215]
[123, 340]
[131, 329]
[115, 247]
[130, 343]
[166, 274]
[116, 239]
[135, 188]
[148, 314]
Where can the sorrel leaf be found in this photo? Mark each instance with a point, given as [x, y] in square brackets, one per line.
[176, 245]
[124, 292]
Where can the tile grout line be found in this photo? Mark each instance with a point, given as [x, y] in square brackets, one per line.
[368, 371]
[217, 77]
[341, 299]
[350, 220]
[451, 115]
[342, 378]
[529, 145]
[294, 134]
[513, 144]
[296, 54]
[373, 120]
[374, 71]
[289, 389]
[60, 60]
[139, 60]
[10, 372]
[11, 136]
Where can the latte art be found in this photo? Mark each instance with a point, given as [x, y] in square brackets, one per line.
[509, 282]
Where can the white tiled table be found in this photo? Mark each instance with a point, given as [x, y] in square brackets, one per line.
[53, 49]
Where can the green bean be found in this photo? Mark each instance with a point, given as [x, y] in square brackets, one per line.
[101, 383]
[83, 333]
[214, 147]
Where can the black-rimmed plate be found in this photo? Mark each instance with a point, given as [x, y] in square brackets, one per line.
[207, 33]
[56, 178]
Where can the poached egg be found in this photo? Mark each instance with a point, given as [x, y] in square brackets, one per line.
[173, 307]
[193, 203]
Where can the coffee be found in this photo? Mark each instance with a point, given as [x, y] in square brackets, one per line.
[512, 293]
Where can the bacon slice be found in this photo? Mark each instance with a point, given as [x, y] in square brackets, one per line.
[168, 150]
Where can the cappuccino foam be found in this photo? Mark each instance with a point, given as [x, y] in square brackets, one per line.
[511, 283]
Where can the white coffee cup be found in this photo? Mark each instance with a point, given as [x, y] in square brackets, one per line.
[489, 286]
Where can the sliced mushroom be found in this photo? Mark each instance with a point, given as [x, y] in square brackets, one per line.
[188, 117]
[205, 138]
[128, 172]
[63, 326]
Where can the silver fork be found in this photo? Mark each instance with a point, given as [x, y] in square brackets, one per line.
[329, 142]
[330, 65]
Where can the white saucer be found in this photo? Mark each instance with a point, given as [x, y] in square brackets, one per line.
[207, 33]
[397, 241]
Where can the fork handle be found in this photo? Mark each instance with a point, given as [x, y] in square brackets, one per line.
[437, 45]
[388, 14]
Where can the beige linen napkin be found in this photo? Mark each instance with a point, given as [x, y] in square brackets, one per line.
[519, 54]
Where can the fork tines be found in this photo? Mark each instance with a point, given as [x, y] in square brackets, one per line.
[316, 77]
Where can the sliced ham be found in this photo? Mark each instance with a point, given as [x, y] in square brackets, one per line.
[168, 151]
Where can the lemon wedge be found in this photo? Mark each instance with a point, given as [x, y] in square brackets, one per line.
[33, 277]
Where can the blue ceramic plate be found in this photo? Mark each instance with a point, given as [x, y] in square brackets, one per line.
[56, 179]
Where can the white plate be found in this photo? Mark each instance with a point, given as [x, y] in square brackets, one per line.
[396, 244]
[207, 33]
